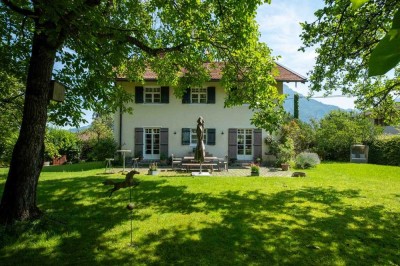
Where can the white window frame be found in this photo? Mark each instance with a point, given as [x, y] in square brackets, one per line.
[153, 133]
[198, 95]
[245, 134]
[193, 136]
[152, 95]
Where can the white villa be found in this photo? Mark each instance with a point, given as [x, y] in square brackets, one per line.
[162, 124]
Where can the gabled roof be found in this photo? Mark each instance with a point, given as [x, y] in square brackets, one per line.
[288, 75]
[285, 74]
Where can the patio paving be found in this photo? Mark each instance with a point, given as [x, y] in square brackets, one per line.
[237, 171]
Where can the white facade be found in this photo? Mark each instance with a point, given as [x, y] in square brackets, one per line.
[176, 116]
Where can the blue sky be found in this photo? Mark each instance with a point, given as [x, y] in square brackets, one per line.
[280, 29]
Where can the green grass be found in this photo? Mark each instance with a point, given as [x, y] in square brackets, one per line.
[340, 214]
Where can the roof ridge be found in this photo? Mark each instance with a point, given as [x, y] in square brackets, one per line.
[285, 74]
[290, 70]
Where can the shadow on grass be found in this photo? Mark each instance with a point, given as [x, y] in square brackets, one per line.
[78, 167]
[309, 226]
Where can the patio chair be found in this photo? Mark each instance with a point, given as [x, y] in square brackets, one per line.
[176, 162]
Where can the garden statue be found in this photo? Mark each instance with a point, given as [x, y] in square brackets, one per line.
[200, 149]
[128, 182]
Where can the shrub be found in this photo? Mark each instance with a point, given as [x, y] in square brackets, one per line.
[285, 152]
[306, 160]
[104, 148]
[302, 134]
[338, 130]
[385, 150]
[60, 142]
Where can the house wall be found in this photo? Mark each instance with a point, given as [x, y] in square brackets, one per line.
[176, 116]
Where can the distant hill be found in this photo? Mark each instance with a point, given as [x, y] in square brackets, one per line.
[308, 108]
[79, 129]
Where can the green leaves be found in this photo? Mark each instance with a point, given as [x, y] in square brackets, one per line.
[358, 3]
[386, 55]
[108, 40]
[351, 48]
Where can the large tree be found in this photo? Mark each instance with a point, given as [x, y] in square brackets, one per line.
[345, 37]
[93, 41]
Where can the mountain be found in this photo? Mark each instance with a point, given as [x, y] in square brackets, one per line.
[74, 130]
[308, 108]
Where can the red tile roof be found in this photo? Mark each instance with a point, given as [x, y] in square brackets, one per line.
[285, 74]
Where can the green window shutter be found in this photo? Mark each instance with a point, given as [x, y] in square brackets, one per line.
[164, 94]
[211, 95]
[211, 136]
[232, 143]
[164, 141]
[186, 96]
[138, 142]
[185, 136]
[138, 94]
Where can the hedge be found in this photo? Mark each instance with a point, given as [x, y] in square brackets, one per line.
[385, 150]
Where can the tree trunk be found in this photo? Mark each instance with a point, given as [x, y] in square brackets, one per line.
[19, 197]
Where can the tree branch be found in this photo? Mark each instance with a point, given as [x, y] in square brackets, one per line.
[11, 99]
[339, 26]
[150, 50]
[19, 10]
[71, 15]
[385, 93]
[141, 45]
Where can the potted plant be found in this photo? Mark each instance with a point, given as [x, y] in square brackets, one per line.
[285, 153]
[153, 169]
[255, 169]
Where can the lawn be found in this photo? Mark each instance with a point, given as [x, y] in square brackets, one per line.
[340, 214]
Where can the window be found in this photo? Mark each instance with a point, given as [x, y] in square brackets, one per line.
[152, 95]
[152, 142]
[189, 136]
[244, 141]
[198, 95]
[193, 136]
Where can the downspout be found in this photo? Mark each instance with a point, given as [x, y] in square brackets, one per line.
[120, 126]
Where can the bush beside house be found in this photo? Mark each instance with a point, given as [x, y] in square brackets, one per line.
[337, 131]
[59, 142]
[97, 141]
[385, 150]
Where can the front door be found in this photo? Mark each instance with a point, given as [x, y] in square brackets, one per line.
[245, 144]
[152, 143]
